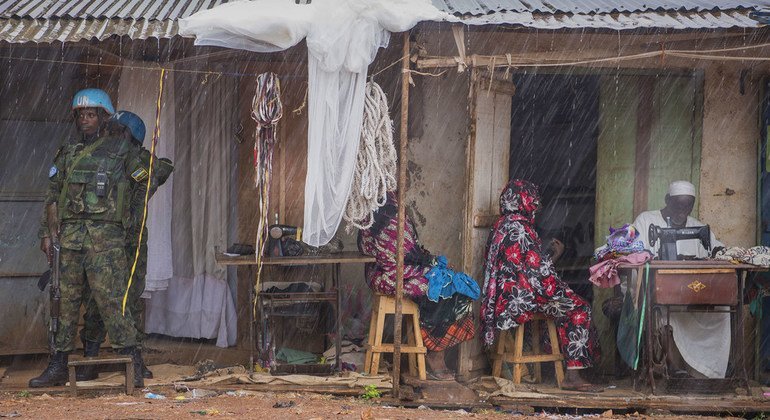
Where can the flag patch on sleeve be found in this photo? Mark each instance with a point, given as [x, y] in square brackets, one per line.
[139, 175]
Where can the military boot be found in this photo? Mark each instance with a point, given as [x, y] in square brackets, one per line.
[146, 373]
[136, 356]
[55, 374]
[88, 372]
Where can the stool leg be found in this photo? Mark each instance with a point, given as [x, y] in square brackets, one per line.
[556, 349]
[419, 343]
[497, 365]
[536, 348]
[372, 333]
[73, 382]
[375, 366]
[411, 340]
[129, 378]
[518, 346]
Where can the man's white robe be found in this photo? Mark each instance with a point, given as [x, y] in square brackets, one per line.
[702, 338]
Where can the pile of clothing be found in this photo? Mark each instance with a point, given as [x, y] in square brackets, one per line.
[623, 246]
[756, 255]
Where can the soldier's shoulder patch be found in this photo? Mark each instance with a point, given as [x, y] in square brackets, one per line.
[139, 175]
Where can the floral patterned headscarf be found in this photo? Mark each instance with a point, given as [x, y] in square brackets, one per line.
[520, 197]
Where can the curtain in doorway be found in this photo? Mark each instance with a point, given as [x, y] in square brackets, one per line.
[649, 135]
[198, 302]
[138, 93]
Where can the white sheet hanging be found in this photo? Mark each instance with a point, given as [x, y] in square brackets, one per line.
[138, 93]
[343, 37]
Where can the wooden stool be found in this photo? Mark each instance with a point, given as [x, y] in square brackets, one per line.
[386, 305]
[117, 360]
[510, 350]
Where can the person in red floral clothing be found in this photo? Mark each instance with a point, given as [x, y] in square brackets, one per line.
[519, 281]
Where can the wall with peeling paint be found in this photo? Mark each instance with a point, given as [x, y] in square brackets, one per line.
[728, 182]
[436, 168]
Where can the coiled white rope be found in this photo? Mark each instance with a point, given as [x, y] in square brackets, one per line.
[375, 172]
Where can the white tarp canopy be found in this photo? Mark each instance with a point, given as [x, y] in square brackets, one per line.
[343, 37]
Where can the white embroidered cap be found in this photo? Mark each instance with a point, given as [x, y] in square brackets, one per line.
[681, 188]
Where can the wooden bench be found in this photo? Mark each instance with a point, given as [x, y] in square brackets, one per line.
[381, 307]
[105, 360]
[511, 350]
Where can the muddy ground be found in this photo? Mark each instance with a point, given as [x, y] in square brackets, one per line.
[253, 405]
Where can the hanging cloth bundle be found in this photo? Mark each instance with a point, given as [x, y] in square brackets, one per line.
[266, 110]
[375, 172]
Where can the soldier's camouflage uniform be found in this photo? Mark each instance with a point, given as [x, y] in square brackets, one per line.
[94, 329]
[93, 232]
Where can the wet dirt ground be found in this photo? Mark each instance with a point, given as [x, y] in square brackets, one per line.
[253, 405]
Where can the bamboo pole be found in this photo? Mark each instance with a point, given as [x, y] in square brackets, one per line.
[403, 140]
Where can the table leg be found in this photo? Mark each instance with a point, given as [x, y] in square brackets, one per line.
[741, 291]
[253, 277]
[338, 314]
[650, 326]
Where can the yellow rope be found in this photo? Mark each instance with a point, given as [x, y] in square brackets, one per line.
[155, 137]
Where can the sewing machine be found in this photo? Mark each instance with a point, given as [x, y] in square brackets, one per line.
[284, 241]
[669, 236]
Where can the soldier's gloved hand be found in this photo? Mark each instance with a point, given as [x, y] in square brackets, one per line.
[45, 246]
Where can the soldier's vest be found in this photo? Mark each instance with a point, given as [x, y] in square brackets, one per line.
[95, 181]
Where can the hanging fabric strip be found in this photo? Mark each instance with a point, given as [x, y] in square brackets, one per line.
[266, 111]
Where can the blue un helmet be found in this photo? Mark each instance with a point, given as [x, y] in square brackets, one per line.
[93, 98]
[131, 121]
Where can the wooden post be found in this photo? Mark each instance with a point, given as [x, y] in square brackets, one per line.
[403, 140]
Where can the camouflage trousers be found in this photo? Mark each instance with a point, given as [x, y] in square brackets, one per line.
[94, 329]
[104, 273]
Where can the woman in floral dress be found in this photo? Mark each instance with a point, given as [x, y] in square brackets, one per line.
[443, 324]
[519, 281]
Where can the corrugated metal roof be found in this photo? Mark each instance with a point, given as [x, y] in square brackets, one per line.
[485, 7]
[104, 9]
[177, 9]
[619, 21]
[73, 30]
[76, 20]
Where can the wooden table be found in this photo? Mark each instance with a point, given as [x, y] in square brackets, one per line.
[694, 281]
[332, 296]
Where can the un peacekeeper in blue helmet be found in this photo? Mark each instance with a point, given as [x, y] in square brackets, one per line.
[91, 108]
[86, 212]
[126, 124]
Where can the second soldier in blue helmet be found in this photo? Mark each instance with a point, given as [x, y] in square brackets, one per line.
[130, 126]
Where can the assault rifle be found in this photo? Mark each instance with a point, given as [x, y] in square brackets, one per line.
[53, 275]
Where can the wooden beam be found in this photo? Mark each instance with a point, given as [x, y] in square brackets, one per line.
[497, 85]
[402, 162]
[645, 118]
[464, 361]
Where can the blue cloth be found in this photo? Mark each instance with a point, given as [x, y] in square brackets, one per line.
[444, 282]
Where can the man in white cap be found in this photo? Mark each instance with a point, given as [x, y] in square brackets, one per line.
[679, 203]
[702, 339]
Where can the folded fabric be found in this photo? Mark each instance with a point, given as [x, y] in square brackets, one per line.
[295, 357]
[620, 241]
[605, 273]
[444, 282]
[756, 255]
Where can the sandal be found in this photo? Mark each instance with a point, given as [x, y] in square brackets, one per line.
[584, 388]
[436, 376]
[681, 374]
